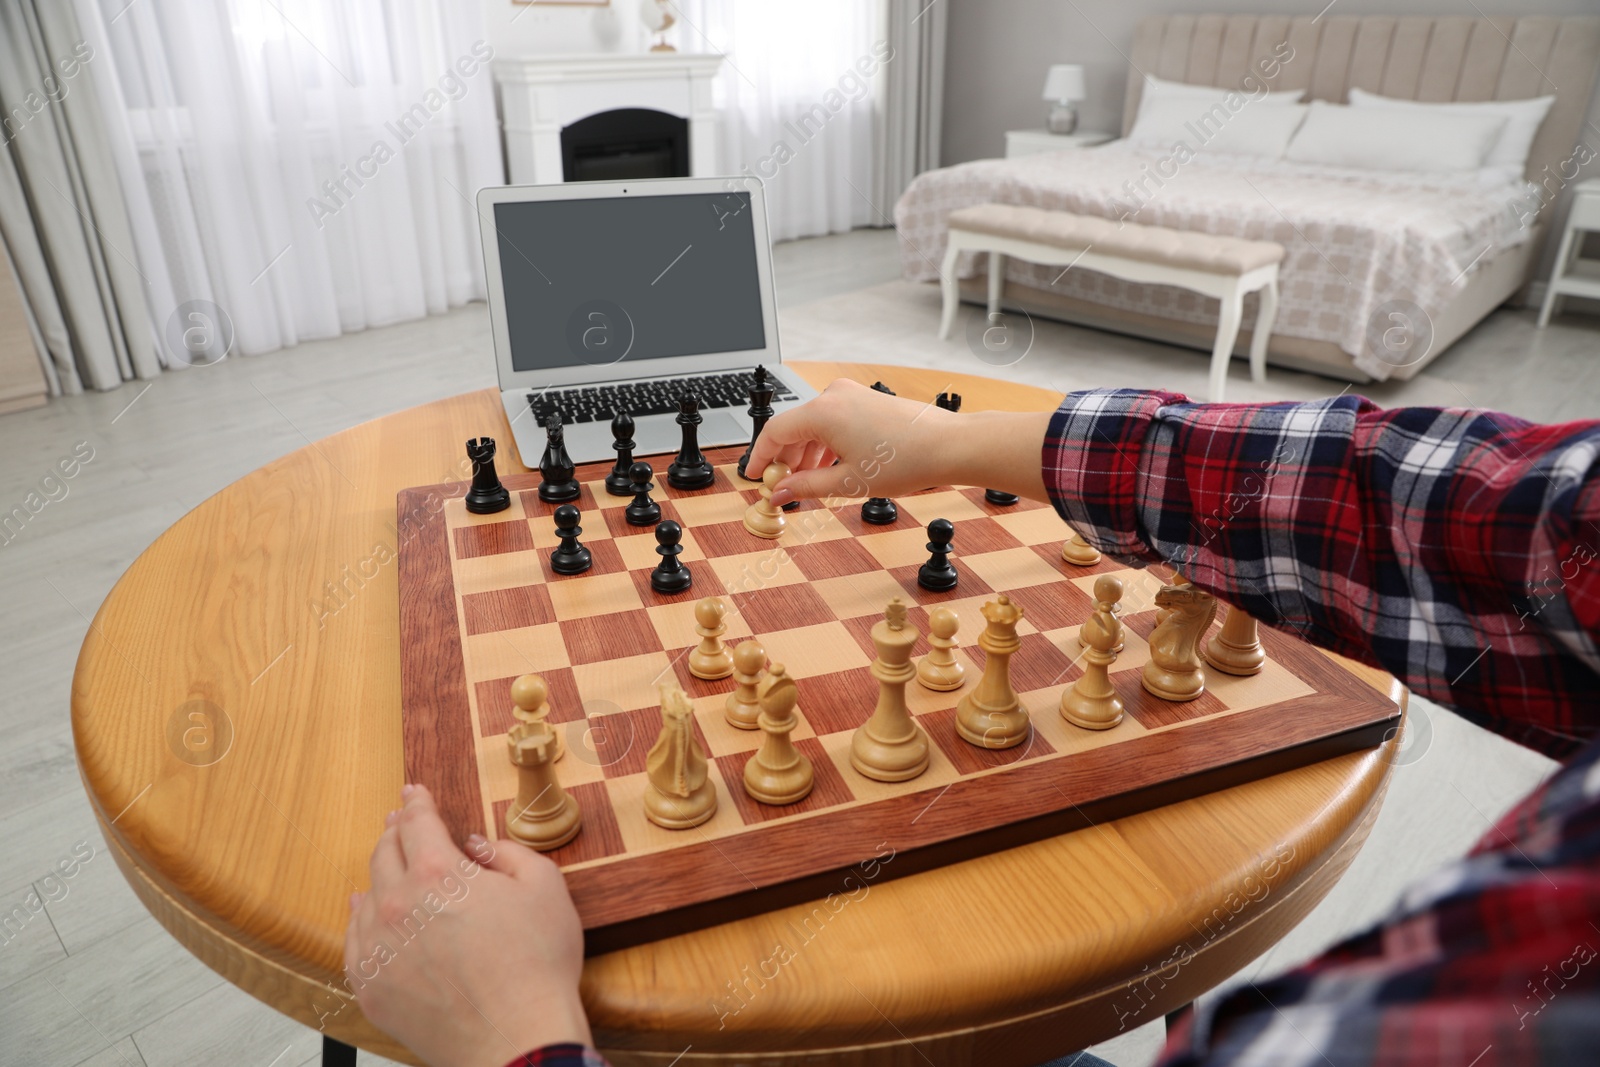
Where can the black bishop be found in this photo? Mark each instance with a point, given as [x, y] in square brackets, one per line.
[617, 482]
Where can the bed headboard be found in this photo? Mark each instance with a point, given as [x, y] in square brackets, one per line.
[1434, 59]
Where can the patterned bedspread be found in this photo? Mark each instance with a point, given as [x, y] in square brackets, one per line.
[1356, 240]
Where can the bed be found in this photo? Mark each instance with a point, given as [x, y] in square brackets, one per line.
[1362, 245]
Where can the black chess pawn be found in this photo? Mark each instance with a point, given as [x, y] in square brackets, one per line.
[556, 467]
[939, 574]
[879, 511]
[487, 495]
[643, 511]
[995, 496]
[691, 470]
[670, 575]
[617, 482]
[569, 557]
[761, 393]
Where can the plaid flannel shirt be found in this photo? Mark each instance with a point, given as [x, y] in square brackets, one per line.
[1456, 550]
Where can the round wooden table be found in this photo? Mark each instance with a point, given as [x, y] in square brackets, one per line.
[241, 744]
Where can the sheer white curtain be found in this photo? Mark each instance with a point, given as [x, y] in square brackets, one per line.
[306, 167]
[798, 106]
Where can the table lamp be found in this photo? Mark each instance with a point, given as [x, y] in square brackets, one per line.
[1062, 87]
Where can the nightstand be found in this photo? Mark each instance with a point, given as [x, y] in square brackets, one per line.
[1032, 142]
[1574, 275]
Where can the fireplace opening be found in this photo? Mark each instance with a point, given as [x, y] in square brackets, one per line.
[630, 142]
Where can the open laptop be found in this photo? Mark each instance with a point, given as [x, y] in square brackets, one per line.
[622, 295]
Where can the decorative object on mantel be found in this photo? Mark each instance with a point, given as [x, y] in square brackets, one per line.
[658, 20]
[1063, 87]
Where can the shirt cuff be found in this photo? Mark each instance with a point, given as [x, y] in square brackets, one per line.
[563, 1055]
[1093, 452]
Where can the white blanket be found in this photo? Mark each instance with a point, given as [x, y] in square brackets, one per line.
[1356, 240]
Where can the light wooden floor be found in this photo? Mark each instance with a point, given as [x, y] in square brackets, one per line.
[94, 980]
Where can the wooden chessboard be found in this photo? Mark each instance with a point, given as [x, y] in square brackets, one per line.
[479, 606]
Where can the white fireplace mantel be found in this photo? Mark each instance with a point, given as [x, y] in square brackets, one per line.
[541, 94]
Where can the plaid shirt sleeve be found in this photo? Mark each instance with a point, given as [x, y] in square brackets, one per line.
[1455, 549]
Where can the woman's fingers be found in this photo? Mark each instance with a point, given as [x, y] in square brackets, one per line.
[423, 834]
[507, 858]
[773, 440]
[812, 458]
[812, 484]
[387, 868]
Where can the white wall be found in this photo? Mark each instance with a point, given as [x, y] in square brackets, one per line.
[999, 51]
[541, 29]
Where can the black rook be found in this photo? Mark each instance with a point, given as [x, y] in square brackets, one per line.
[487, 495]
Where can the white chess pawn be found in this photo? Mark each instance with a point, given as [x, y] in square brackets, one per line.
[711, 659]
[939, 669]
[743, 708]
[761, 518]
[1078, 552]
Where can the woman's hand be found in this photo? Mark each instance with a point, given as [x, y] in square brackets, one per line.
[468, 962]
[890, 446]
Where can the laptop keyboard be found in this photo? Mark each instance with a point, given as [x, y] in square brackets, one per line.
[657, 396]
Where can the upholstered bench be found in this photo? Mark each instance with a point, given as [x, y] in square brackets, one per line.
[1224, 267]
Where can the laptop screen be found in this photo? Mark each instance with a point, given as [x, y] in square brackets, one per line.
[603, 280]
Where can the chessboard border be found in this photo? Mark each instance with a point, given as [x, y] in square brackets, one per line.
[635, 899]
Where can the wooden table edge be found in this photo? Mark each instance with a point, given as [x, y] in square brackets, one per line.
[1023, 1039]
[304, 996]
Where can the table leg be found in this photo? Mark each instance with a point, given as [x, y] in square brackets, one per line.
[337, 1053]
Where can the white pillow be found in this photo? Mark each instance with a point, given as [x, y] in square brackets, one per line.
[1212, 127]
[1523, 118]
[1161, 89]
[1393, 139]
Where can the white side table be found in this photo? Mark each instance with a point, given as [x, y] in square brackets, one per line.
[1032, 142]
[1573, 275]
